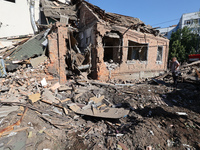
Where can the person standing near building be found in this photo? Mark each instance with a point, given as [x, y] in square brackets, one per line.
[174, 66]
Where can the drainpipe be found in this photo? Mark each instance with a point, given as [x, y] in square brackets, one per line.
[32, 13]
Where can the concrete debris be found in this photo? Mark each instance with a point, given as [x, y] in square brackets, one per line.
[44, 82]
[85, 81]
[38, 60]
[55, 86]
[101, 112]
[5, 110]
[47, 95]
[34, 97]
[18, 141]
[92, 110]
[182, 113]
[54, 10]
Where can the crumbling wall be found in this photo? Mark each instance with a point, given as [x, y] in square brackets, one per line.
[87, 35]
[57, 52]
[116, 64]
[86, 16]
[135, 68]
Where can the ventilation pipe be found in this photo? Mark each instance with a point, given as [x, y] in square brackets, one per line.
[32, 13]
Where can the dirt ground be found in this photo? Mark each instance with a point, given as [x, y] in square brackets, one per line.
[154, 121]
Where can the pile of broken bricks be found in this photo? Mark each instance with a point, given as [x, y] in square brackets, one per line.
[38, 112]
[81, 114]
[188, 73]
[31, 93]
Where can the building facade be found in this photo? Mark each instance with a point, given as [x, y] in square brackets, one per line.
[191, 20]
[18, 17]
[167, 32]
[121, 50]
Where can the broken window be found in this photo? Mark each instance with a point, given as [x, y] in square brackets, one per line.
[112, 49]
[195, 21]
[188, 22]
[13, 1]
[198, 29]
[159, 53]
[137, 51]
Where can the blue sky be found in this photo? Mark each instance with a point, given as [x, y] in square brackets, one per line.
[151, 12]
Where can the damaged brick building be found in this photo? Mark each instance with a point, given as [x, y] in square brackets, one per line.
[122, 47]
[78, 36]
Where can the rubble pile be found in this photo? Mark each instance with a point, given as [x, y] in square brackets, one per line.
[76, 36]
[38, 113]
[48, 100]
[188, 73]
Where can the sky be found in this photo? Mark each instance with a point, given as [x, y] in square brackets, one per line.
[157, 13]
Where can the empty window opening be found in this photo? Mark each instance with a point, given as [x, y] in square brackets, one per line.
[112, 49]
[137, 51]
[13, 1]
[195, 21]
[188, 22]
[159, 53]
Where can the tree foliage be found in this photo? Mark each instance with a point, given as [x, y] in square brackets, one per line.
[183, 42]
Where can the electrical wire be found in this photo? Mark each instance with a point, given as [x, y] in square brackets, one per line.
[143, 46]
[131, 46]
[165, 22]
[171, 20]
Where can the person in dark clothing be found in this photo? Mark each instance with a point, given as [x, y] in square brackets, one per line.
[174, 66]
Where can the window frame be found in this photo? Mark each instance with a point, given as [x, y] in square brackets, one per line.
[195, 21]
[132, 61]
[159, 61]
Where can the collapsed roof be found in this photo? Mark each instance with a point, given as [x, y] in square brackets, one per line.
[56, 10]
[121, 20]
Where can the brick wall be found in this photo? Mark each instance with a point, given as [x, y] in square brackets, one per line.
[57, 52]
[87, 17]
[135, 69]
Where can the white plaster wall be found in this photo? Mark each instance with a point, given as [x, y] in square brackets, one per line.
[168, 30]
[189, 16]
[181, 25]
[15, 18]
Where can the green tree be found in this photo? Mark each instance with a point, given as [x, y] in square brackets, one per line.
[183, 42]
[178, 51]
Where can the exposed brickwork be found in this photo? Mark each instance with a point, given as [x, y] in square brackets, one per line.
[62, 35]
[126, 70]
[86, 16]
[53, 68]
[57, 52]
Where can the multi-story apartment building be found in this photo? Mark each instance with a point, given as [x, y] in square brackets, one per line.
[191, 20]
